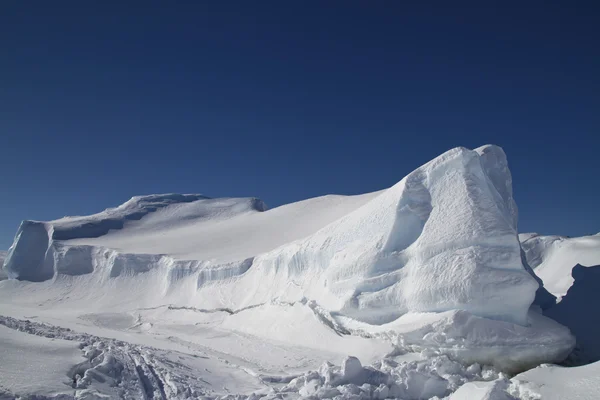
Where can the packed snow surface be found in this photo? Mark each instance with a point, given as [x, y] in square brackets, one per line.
[560, 383]
[409, 292]
[35, 365]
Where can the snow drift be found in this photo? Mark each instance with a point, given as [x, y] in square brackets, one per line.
[443, 239]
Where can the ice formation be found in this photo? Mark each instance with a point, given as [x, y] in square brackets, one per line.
[441, 242]
[553, 258]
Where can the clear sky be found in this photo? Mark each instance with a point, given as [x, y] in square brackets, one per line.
[286, 100]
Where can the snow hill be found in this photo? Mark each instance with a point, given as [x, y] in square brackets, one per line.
[431, 266]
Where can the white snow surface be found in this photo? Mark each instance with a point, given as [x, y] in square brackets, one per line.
[422, 282]
[553, 258]
[559, 383]
[35, 365]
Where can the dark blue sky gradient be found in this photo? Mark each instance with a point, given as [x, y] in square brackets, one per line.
[103, 100]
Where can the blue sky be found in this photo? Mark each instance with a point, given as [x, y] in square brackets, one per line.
[100, 101]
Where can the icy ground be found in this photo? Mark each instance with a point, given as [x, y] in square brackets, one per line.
[420, 291]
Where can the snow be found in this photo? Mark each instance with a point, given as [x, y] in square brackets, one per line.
[559, 383]
[570, 269]
[92, 367]
[553, 257]
[35, 365]
[222, 230]
[494, 390]
[507, 346]
[3, 274]
[409, 292]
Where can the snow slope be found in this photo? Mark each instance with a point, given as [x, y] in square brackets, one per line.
[559, 383]
[45, 371]
[553, 258]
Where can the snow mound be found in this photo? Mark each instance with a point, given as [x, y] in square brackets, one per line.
[553, 258]
[32, 365]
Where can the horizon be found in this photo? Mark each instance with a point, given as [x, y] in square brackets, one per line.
[286, 102]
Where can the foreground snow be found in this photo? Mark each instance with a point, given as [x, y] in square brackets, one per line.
[47, 361]
[83, 366]
[411, 292]
[35, 365]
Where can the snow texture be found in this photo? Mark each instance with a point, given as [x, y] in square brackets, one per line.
[569, 269]
[35, 365]
[108, 368]
[559, 383]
